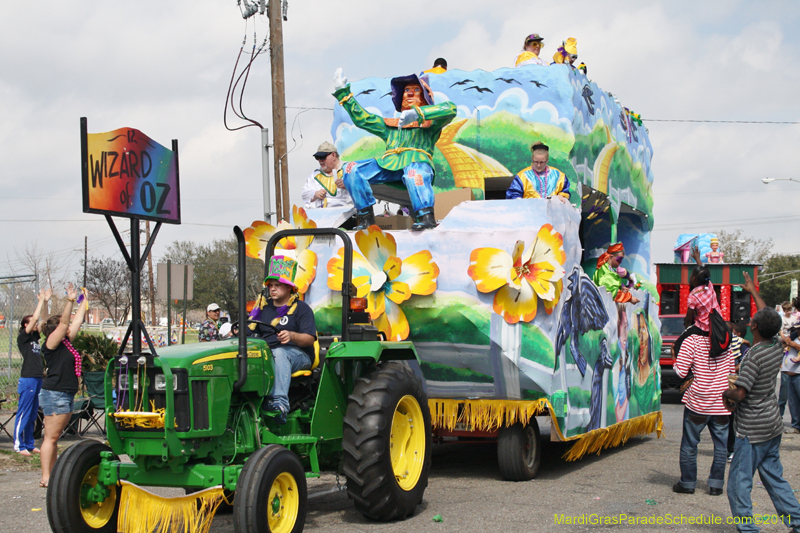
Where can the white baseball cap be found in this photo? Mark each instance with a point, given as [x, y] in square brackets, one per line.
[213, 307]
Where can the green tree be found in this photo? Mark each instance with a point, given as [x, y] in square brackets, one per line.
[739, 248]
[776, 277]
[215, 278]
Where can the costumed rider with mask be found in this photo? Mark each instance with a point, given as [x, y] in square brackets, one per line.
[616, 279]
[325, 187]
[410, 140]
[293, 345]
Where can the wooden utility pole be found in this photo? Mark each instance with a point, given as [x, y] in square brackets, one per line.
[281, 163]
[152, 290]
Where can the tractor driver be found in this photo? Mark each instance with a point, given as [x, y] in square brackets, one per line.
[292, 345]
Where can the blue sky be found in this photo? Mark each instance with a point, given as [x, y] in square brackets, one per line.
[164, 68]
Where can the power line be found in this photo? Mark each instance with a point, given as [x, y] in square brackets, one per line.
[717, 121]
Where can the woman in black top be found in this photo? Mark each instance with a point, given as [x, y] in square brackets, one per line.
[30, 378]
[61, 383]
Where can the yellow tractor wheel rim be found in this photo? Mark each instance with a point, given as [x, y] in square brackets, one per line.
[283, 504]
[407, 442]
[97, 514]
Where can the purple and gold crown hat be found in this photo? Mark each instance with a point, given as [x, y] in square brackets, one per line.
[283, 269]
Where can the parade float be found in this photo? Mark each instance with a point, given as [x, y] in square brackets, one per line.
[498, 300]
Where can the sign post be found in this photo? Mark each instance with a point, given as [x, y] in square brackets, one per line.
[125, 173]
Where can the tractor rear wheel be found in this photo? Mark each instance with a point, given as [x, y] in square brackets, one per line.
[519, 451]
[70, 508]
[387, 442]
[271, 494]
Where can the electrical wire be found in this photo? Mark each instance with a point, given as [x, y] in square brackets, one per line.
[232, 85]
[717, 121]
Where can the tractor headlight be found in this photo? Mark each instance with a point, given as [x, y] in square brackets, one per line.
[123, 382]
[161, 382]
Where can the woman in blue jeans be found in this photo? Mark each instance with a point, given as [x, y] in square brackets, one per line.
[61, 383]
[30, 378]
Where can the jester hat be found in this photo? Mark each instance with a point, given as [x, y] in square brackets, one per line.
[283, 269]
[399, 85]
[606, 256]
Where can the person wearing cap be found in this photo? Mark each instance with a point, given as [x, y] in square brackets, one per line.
[530, 51]
[567, 53]
[325, 187]
[439, 67]
[539, 180]
[295, 331]
[410, 140]
[209, 331]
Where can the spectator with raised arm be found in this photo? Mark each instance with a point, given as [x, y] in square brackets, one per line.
[30, 378]
[61, 384]
[759, 426]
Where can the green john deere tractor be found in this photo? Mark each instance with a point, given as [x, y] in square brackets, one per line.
[191, 416]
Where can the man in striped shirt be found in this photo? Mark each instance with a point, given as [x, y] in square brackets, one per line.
[759, 426]
[703, 407]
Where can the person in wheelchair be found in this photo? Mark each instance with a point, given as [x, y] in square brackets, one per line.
[287, 324]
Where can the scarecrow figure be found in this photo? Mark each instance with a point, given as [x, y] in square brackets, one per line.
[410, 140]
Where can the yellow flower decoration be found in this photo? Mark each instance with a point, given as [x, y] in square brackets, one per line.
[522, 276]
[257, 235]
[385, 279]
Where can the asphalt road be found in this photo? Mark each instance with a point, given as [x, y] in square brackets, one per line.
[465, 488]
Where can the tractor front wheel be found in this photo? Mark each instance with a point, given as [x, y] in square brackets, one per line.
[519, 451]
[70, 505]
[387, 442]
[271, 494]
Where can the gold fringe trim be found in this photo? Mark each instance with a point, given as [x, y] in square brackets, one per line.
[490, 415]
[484, 415]
[142, 419]
[140, 510]
[614, 435]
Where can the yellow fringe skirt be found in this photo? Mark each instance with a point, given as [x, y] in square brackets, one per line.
[490, 415]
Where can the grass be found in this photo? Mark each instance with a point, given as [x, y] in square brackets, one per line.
[11, 460]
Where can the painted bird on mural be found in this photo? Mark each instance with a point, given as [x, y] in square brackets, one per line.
[583, 311]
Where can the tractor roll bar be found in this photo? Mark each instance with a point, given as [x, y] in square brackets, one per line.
[347, 277]
[241, 272]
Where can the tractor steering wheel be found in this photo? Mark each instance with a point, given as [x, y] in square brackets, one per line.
[260, 323]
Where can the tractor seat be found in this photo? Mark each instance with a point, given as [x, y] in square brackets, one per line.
[314, 363]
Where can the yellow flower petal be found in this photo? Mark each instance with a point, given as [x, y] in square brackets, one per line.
[397, 291]
[256, 237]
[548, 247]
[362, 273]
[306, 270]
[287, 243]
[376, 246]
[398, 324]
[516, 305]
[376, 304]
[393, 267]
[549, 305]
[490, 268]
[419, 273]
[301, 221]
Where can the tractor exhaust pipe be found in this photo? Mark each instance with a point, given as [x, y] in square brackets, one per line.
[241, 273]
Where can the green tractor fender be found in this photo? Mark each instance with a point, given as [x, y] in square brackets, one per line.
[344, 363]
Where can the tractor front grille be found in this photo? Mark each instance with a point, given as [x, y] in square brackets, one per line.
[200, 404]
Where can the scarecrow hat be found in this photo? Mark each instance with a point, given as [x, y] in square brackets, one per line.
[399, 85]
[282, 269]
[571, 46]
